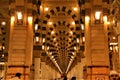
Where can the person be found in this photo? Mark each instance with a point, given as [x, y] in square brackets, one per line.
[65, 78]
[1, 78]
[118, 78]
[73, 78]
[17, 76]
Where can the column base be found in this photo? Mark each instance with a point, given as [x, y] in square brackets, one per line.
[97, 73]
[13, 69]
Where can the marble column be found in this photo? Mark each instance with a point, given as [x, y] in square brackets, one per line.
[96, 42]
[48, 73]
[118, 28]
[21, 39]
[37, 69]
[43, 71]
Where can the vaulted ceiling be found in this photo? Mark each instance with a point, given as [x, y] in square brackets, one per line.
[59, 24]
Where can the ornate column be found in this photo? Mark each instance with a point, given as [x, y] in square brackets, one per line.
[37, 68]
[48, 74]
[115, 23]
[80, 67]
[21, 39]
[43, 70]
[53, 73]
[96, 40]
[77, 70]
[118, 27]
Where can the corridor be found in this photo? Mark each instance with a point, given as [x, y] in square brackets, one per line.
[60, 39]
